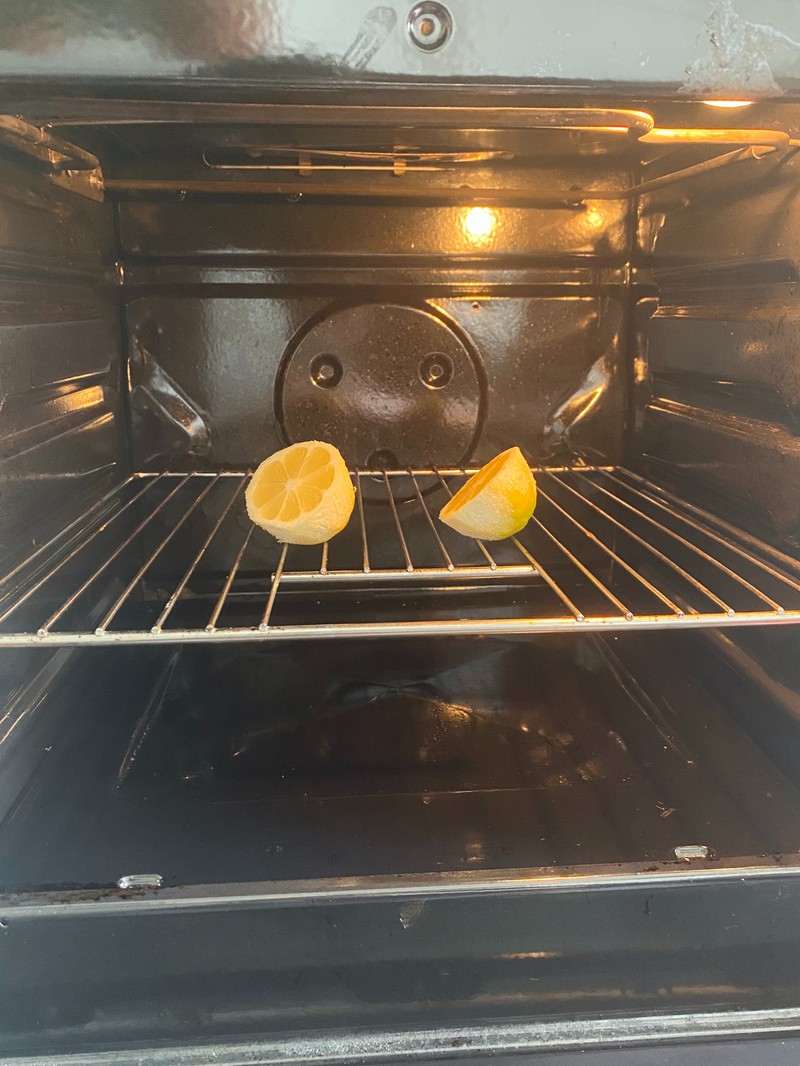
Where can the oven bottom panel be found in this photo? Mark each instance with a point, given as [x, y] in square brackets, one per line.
[282, 763]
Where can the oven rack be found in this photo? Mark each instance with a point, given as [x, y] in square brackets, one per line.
[606, 549]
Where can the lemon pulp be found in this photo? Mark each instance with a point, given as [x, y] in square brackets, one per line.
[302, 494]
[495, 503]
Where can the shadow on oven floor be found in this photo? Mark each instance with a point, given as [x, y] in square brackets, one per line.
[250, 764]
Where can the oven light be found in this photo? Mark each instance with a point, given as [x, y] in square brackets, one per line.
[478, 224]
[729, 103]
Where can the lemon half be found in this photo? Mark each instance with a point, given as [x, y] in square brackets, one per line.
[495, 503]
[302, 494]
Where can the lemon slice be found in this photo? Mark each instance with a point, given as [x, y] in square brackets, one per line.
[302, 494]
[495, 503]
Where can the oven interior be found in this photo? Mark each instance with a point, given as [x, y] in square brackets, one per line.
[403, 699]
[617, 688]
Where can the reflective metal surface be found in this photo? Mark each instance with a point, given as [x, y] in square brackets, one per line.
[646, 563]
[740, 1038]
[162, 415]
[573, 198]
[706, 49]
[67, 166]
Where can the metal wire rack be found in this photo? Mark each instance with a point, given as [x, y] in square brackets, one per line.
[167, 557]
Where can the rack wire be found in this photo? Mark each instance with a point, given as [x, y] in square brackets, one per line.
[169, 557]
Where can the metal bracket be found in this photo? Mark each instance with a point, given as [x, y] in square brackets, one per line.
[140, 881]
[65, 164]
[400, 160]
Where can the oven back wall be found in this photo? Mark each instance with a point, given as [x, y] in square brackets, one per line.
[403, 334]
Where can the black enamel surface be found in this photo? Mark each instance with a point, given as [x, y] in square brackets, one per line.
[338, 760]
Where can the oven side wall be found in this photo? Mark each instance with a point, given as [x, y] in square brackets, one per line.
[61, 417]
[714, 355]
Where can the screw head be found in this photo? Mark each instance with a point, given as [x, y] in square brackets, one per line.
[436, 370]
[383, 459]
[326, 371]
[429, 25]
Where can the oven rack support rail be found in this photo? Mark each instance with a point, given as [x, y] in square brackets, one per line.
[605, 550]
[78, 170]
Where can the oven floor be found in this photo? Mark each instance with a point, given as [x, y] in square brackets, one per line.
[251, 764]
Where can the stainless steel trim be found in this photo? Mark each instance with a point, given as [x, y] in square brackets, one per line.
[369, 630]
[419, 574]
[477, 1043]
[406, 886]
[89, 112]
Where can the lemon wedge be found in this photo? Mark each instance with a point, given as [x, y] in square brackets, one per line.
[302, 494]
[495, 503]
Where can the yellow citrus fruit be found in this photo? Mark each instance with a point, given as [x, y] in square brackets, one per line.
[302, 494]
[496, 502]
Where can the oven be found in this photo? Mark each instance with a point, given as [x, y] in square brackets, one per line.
[405, 794]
